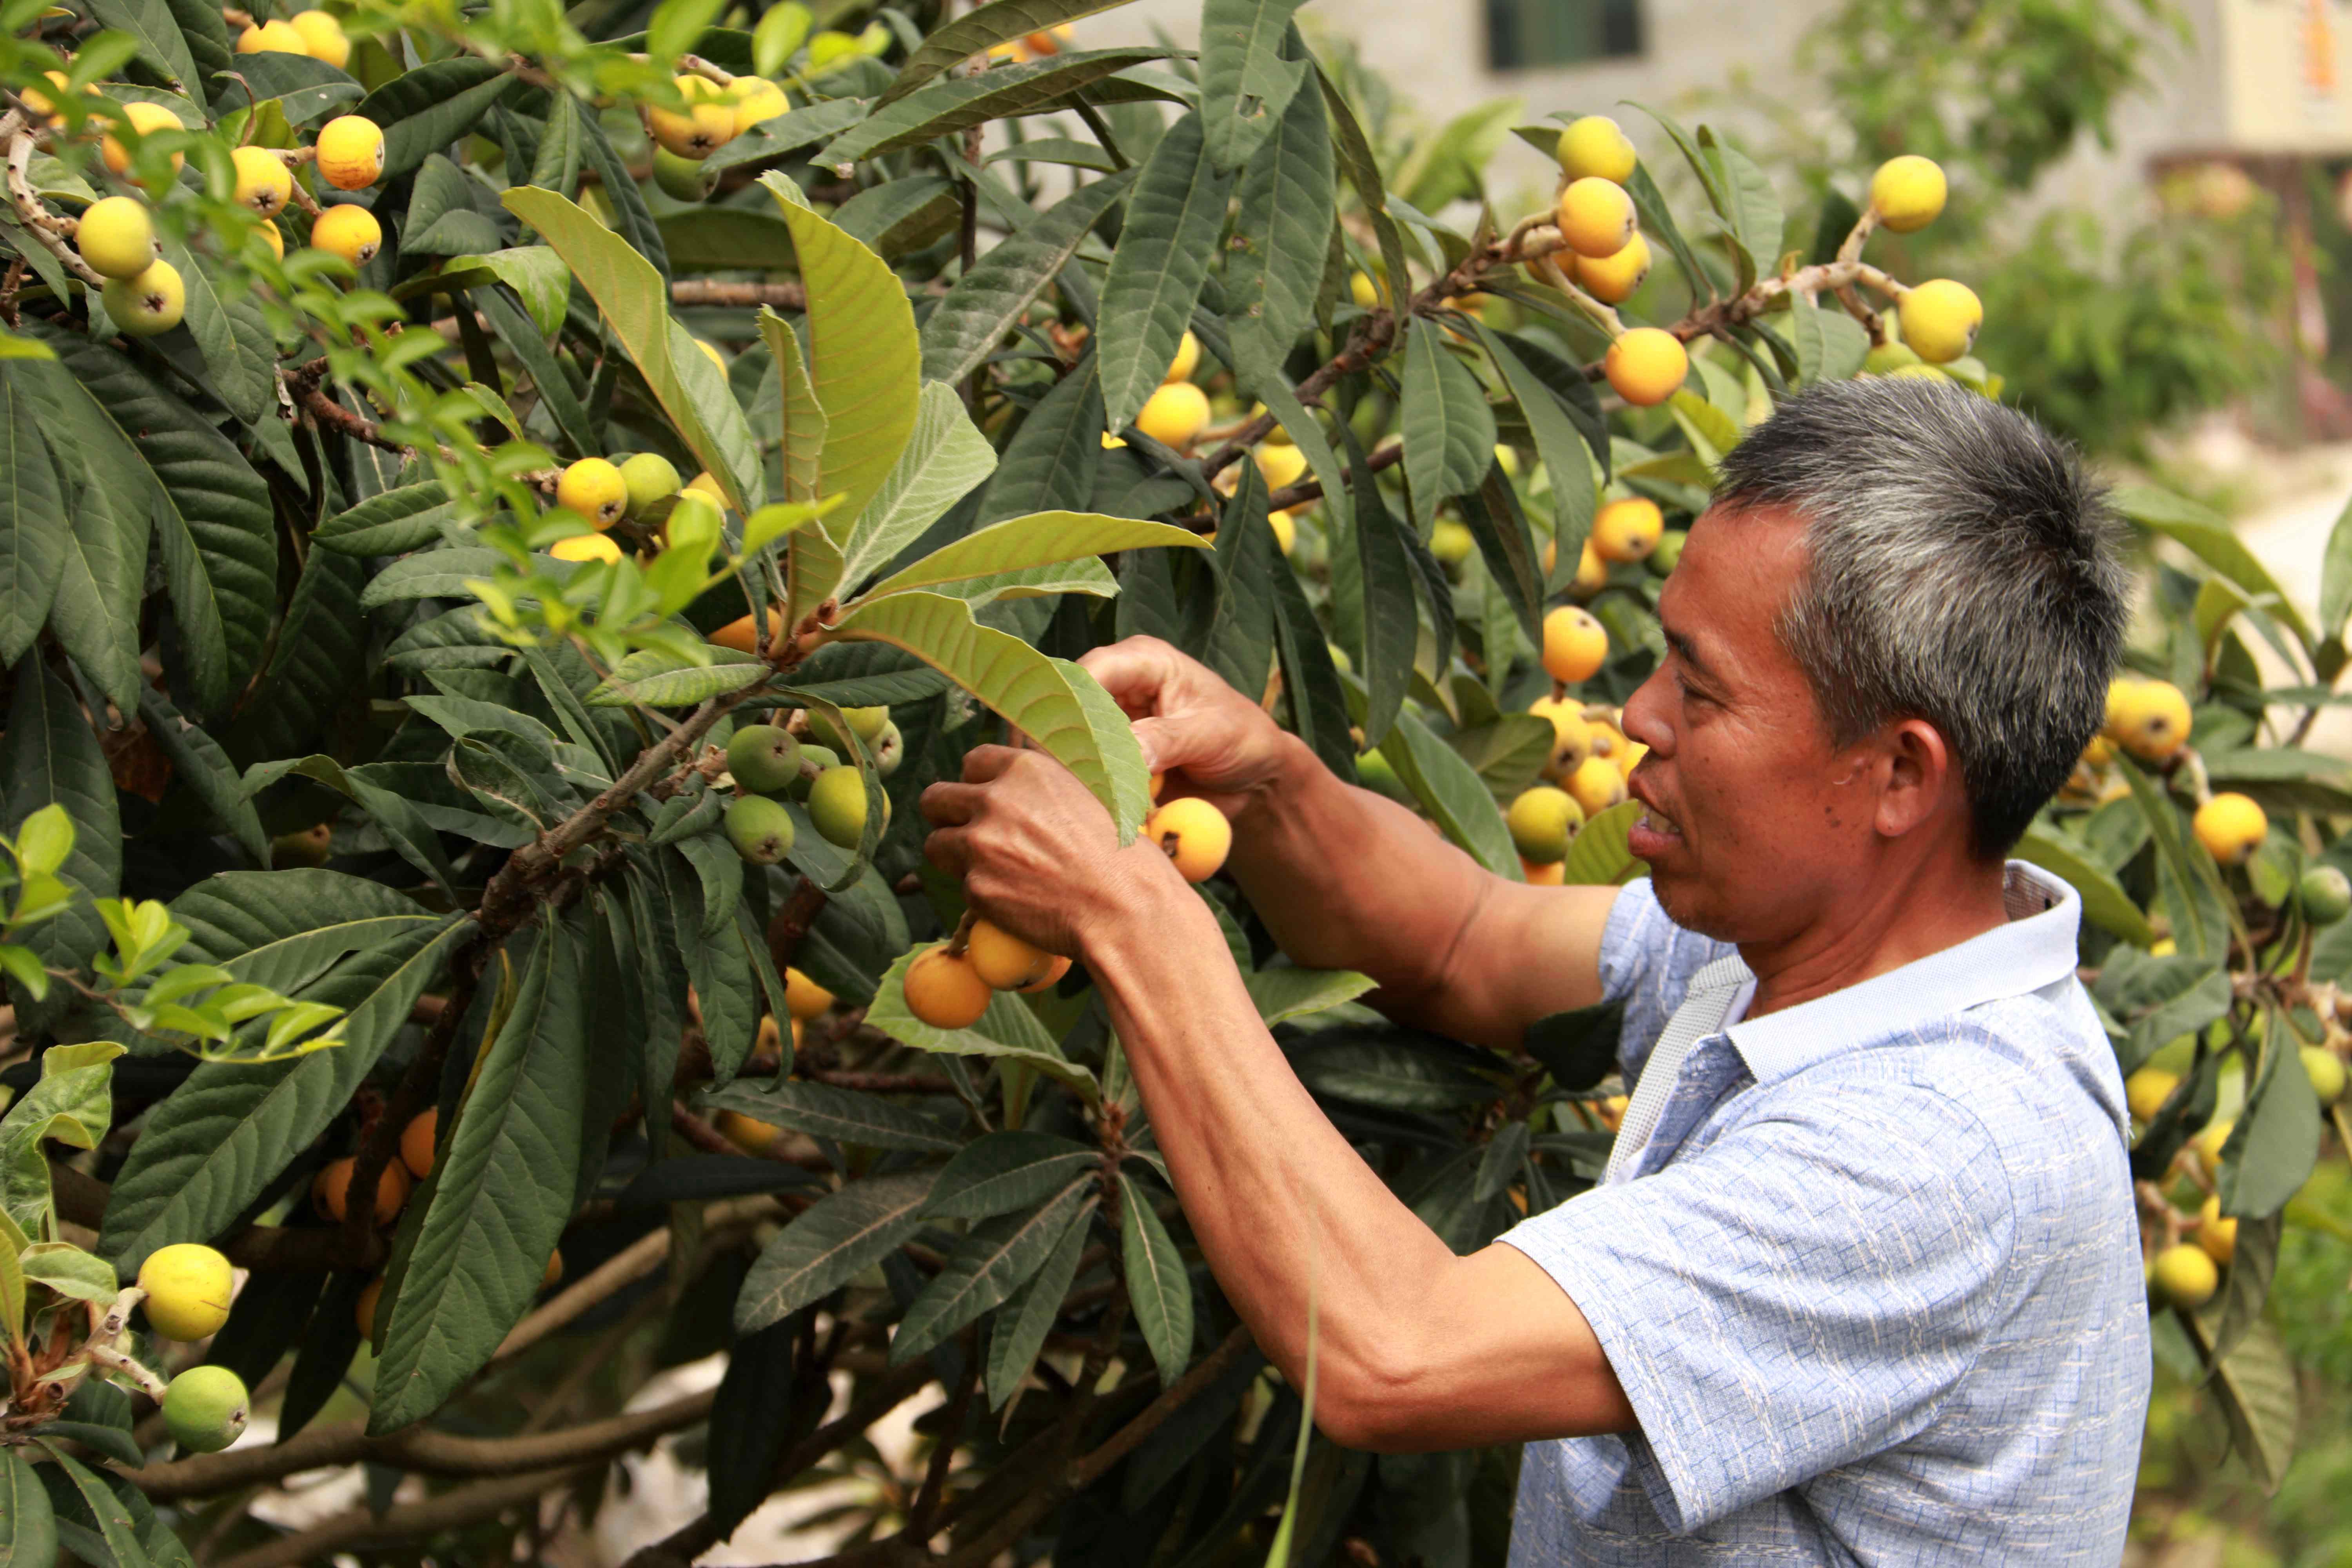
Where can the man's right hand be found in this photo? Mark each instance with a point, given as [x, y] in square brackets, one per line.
[1189, 722]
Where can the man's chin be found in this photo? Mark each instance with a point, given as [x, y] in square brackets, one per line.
[1684, 898]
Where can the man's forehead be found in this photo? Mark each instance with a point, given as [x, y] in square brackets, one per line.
[1729, 587]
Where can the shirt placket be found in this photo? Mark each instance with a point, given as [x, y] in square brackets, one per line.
[1711, 1069]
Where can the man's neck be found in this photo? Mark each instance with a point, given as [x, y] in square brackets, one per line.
[1898, 919]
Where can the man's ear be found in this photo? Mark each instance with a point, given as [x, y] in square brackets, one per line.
[1919, 777]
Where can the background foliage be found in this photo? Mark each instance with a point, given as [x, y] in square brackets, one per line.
[290, 651]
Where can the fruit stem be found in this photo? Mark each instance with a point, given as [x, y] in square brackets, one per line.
[963, 938]
[2194, 765]
[1549, 270]
[1852, 249]
[153, 1386]
[118, 1316]
[698, 65]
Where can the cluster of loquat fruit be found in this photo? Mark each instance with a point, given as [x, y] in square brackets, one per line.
[948, 984]
[1590, 758]
[765, 761]
[115, 234]
[2186, 1273]
[1608, 258]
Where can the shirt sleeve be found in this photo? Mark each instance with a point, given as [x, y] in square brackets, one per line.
[1801, 1294]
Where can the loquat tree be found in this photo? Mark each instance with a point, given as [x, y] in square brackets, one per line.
[464, 921]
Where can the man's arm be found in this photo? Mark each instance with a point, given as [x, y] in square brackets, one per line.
[1416, 1348]
[1347, 879]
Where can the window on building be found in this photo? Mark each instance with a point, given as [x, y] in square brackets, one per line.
[1524, 33]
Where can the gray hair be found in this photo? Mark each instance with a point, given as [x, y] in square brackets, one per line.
[1963, 571]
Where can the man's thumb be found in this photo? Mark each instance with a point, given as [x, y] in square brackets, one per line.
[1161, 742]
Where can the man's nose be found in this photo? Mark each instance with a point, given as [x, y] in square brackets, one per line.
[1645, 715]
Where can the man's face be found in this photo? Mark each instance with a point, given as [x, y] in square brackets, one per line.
[1754, 822]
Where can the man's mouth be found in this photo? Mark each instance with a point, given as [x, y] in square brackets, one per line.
[1654, 825]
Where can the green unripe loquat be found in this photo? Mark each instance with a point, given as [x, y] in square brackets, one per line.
[764, 759]
[760, 828]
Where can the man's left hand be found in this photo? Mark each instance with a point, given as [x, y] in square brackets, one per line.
[1037, 851]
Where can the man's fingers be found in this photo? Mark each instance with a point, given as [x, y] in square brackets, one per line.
[949, 850]
[950, 805]
[1133, 671]
[982, 763]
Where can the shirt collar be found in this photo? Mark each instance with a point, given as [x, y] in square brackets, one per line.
[2034, 948]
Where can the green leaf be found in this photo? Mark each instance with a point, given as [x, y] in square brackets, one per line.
[198, 761]
[2103, 899]
[1029, 1314]
[677, 25]
[1039, 540]
[1246, 81]
[1710, 431]
[635, 221]
[802, 441]
[636, 301]
[789, 133]
[1756, 219]
[71, 1103]
[243, 376]
[159, 461]
[964, 328]
[212, 1146]
[160, 43]
[832, 1242]
[1052, 459]
[2271, 1150]
[1598, 855]
[2255, 1385]
[2186, 877]
[392, 523]
[1452, 791]
[94, 615]
[320, 656]
[1449, 430]
[29, 1529]
[1287, 204]
[36, 535]
[2205, 534]
[944, 458]
[424, 109]
[81, 1494]
[845, 1116]
[863, 360]
[1158, 1287]
[535, 272]
[1831, 346]
[995, 1258]
[999, 1172]
[976, 31]
[657, 677]
[943, 106]
[1156, 273]
[1284, 993]
[1037, 695]
[1361, 165]
[476, 1265]
[1008, 1029]
[1390, 623]
[713, 239]
[48, 756]
[2335, 577]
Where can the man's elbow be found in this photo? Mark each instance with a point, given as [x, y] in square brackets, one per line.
[1373, 1402]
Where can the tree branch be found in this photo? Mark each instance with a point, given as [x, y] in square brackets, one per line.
[420, 1448]
[742, 296]
[467, 1505]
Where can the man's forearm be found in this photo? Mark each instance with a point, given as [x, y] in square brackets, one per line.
[1346, 880]
[1272, 1190]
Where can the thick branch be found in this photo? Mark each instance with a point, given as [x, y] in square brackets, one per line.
[420, 1448]
[46, 227]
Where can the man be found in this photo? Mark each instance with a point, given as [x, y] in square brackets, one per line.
[1863, 1284]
